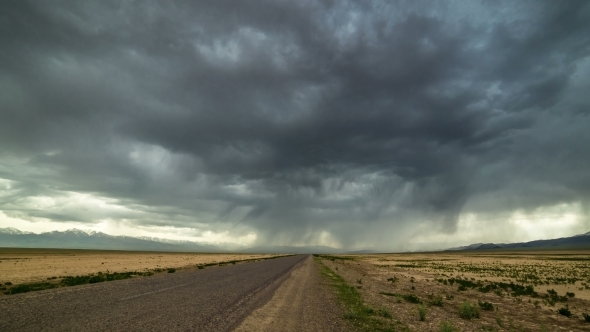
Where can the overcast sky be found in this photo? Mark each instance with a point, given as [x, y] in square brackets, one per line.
[394, 125]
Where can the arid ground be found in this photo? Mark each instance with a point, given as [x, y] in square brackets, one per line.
[19, 266]
[495, 290]
[529, 290]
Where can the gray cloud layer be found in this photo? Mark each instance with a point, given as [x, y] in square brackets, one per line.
[293, 118]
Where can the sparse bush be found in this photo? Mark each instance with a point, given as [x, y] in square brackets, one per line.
[351, 314]
[570, 295]
[448, 327]
[565, 311]
[422, 312]
[359, 281]
[485, 305]
[394, 279]
[29, 288]
[200, 267]
[171, 270]
[412, 298]
[586, 317]
[8, 283]
[468, 311]
[462, 288]
[436, 301]
[383, 312]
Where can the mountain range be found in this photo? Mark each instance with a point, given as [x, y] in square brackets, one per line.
[580, 240]
[78, 239]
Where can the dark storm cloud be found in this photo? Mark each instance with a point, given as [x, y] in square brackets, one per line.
[293, 118]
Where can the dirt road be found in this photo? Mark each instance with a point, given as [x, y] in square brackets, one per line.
[301, 303]
[215, 299]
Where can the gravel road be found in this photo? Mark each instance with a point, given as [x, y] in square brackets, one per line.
[302, 303]
[213, 299]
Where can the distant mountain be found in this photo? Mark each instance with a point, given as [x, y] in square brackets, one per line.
[580, 240]
[78, 239]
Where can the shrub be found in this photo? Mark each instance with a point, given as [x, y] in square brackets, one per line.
[383, 312]
[422, 312]
[565, 311]
[448, 327]
[351, 314]
[570, 295]
[200, 267]
[586, 317]
[368, 310]
[437, 301]
[462, 288]
[8, 283]
[171, 270]
[468, 311]
[412, 298]
[485, 305]
[30, 288]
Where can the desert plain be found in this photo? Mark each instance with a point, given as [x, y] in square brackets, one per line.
[20, 266]
[492, 290]
[487, 290]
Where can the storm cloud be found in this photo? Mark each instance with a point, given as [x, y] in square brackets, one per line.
[352, 124]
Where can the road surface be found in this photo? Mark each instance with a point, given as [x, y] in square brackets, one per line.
[213, 299]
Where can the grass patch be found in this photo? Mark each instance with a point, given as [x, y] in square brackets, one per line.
[565, 311]
[100, 277]
[358, 313]
[485, 305]
[407, 297]
[25, 288]
[468, 311]
[422, 312]
[448, 327]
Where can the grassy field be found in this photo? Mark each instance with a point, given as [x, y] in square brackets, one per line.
[25, 270]
[532, 290]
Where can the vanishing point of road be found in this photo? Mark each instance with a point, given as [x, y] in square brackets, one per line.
[214, 299]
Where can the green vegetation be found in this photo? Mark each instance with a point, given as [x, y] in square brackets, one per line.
[422, 312]
[485, 305]
[334, 258]
[436, 300]
[468, 311]
[383, 312]
[448, 327]
[361, 316]
[409, 297]
[25, 288]
[100, 277]
[565, 311]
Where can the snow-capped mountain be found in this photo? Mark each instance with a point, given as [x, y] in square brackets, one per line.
[12, 230]
[80, 239]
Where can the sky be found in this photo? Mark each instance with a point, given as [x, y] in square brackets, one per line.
[392, 125]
